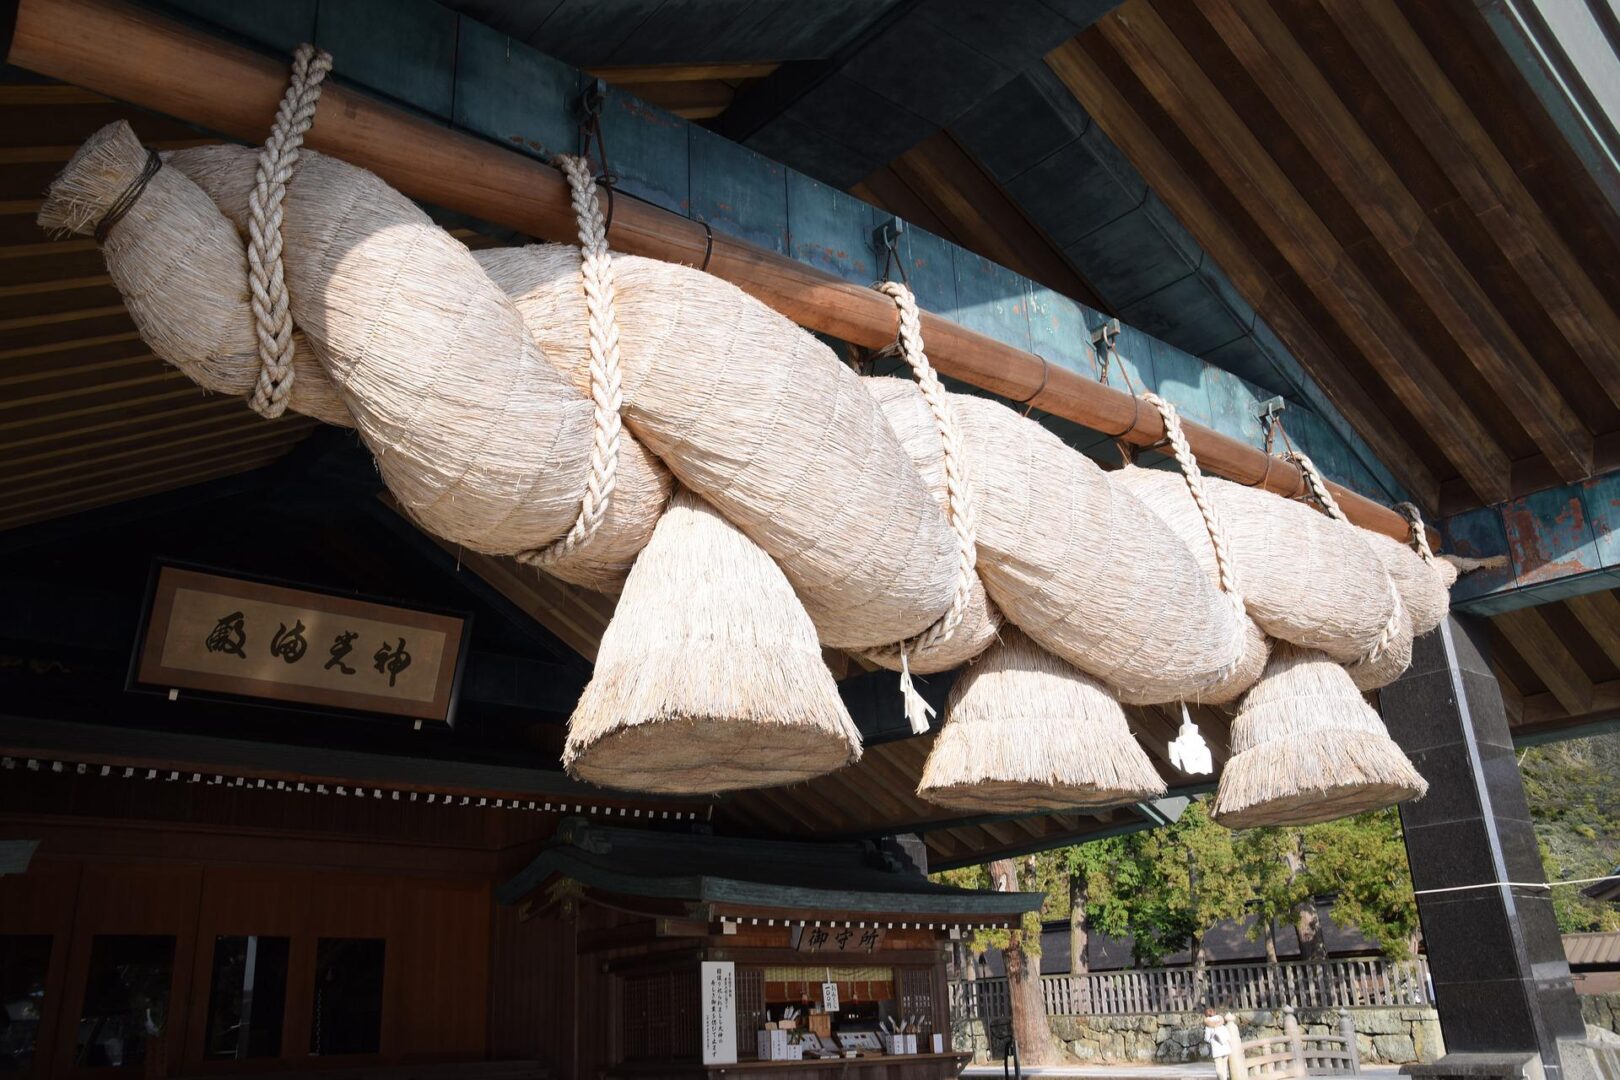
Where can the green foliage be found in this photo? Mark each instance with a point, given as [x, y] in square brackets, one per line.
[1360, 862]
[1574, 798]
[1169, 886]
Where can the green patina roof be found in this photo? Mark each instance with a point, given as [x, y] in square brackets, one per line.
[854, 877]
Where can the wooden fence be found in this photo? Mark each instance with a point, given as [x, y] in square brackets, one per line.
[1303, 984]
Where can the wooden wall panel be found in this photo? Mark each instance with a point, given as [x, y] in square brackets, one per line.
[532, 998]
[129, 900]
[436, 983]
[42, 901]
[441, 959]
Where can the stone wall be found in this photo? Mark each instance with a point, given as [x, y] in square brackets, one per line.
[1387, 1035]
[1602, 1011]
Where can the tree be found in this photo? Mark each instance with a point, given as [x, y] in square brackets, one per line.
[1195, 881]
[1020, 951]
[1273, 860]
[1360, 862]
[1021, 954]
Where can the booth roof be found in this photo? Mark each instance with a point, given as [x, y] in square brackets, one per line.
[852, 877]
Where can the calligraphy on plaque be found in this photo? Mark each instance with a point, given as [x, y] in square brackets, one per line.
[254, 639]
[840, 939]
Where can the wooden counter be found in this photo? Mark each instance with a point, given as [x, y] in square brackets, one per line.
[886, 1066]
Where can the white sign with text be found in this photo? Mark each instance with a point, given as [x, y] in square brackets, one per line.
[719, 1012]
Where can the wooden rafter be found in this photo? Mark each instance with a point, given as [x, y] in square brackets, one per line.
[1236, 156]
[1391, 49]
[1599, 616]
[1544, 711]
[1300, 93]
[1527, 631]
[1181, 192]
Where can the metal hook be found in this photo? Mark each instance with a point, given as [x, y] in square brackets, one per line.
[1105, 336]
[886, 238]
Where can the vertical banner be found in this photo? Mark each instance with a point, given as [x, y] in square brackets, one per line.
[719, 1017]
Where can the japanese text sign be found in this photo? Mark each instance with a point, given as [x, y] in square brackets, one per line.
[840, 939]
[719, 985]
[230, 636]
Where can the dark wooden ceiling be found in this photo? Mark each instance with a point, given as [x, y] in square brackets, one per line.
[88, 416]
[1383, 189]
[1369, 186]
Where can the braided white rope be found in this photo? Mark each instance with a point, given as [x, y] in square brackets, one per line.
[1181, 450]
[272, 318]
[607, 397]
[959, 509]
[1318, 486]
[1420, 536]
[1225, 564]
[1319, 491]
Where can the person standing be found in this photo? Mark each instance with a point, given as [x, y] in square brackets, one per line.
[1220, 1047]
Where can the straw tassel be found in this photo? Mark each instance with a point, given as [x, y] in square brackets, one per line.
[709, 677]
[1025, 731]
[1307, 748]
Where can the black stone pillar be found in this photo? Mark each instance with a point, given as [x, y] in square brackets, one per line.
[1501, 982]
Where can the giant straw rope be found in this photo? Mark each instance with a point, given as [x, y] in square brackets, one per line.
[379, 349]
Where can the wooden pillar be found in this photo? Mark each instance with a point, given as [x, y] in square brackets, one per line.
[1234, 1040]
[1500, 978]
[1296, 1042]
[1347, 1032]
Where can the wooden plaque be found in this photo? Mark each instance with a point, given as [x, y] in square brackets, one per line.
[227, 635]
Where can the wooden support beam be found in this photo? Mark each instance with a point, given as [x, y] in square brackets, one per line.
[139, 56]
[688, 100]
[1234, 155]
[791, 808]
[16, 515]
[679, 73]
[211, 446]
[576, 616]
[139, 415]
[1181, 192]
[75, 343]
[1300, 93]
[50, 490]
[1512, 697]
[1599, 616]
[1453, 136]
[1545, 712]
[1535, 641]
[34, 288]
[861, 789]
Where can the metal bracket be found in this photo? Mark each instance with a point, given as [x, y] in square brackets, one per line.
[1270, 410]
[1104, 336]
[886, 237]
[591, 99]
